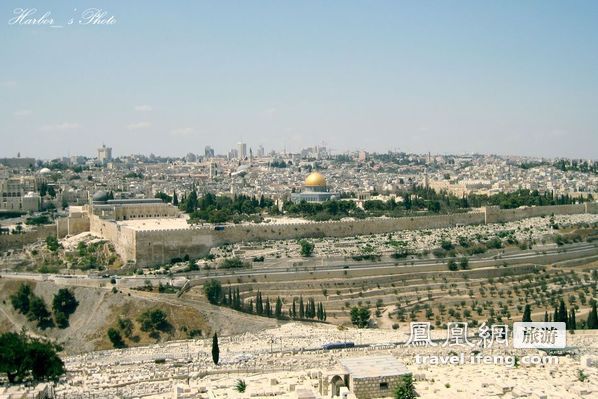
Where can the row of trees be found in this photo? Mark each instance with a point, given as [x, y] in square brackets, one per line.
[299, 309]
[34, 307]
[568, 317]
[220, 209]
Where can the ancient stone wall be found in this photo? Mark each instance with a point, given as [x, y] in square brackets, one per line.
[11, 241]
[160, 246]
[123, 238]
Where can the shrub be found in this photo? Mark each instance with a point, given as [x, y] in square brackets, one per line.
[452, 265]
[116, 338]
[233, 263]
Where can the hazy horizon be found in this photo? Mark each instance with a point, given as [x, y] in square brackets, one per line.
[498, 77]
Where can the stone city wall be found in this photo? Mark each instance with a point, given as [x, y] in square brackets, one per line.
[13, 241]
[160, 246]
[123, 238]
[72, 225]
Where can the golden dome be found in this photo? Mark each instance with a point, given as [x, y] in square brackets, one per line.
[315, 179]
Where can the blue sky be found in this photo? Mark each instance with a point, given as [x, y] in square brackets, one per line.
[507, 77]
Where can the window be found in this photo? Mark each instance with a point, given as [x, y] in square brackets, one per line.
[384, 386]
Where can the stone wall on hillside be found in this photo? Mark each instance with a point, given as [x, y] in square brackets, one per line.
[160, 246]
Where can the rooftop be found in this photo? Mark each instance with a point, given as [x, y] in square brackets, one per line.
[373, 366]
[155, 224]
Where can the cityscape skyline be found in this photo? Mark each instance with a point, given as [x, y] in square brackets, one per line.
[503, 77]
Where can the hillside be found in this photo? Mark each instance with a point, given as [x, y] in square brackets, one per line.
[100, 309]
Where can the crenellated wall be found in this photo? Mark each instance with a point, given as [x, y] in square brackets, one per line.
[153, 247]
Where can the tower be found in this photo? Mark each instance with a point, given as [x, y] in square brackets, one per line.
[241, 150]
[104, 154]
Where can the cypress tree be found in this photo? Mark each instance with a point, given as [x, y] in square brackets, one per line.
[175, 199]
[546, 316]
[294, 310]
[527, 314]
[259, 307]
[562, 314]
[268, 307]
[278, 310]
[301, 308]
[555, 317]
[572, 322]
[215, 349]
[592, 322]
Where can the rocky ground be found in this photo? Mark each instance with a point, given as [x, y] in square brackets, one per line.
[278, 362]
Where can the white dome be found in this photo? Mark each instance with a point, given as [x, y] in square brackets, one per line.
[45, 171]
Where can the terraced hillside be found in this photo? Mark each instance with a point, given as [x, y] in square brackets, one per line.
[495, 289]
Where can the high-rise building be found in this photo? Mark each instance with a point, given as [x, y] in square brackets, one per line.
[260, 151]
[242, 150]
[104, 154]
[209, 152]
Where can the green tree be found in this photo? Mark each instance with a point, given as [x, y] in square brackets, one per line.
[562, 313]
[307, 248]
[405, 388]
[213, 291]
[592, 322]
[20, 299]
[116, 338]
[215, 349]
[38, 311]
[360, 316]
[154, 320]
[64, 304]
[126, 326]
[233, 263]
[52, 243]
[527, 314]
[175, 199]
[191, 202]
[452, 265]
[464, 263]
[572, 322]
[278, 309]
[22, 357]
